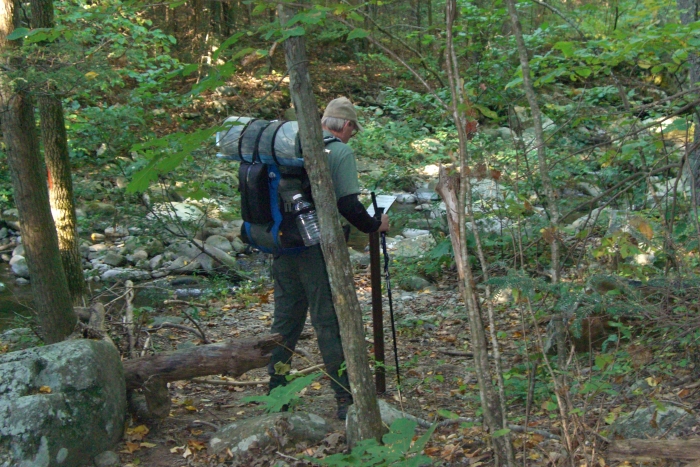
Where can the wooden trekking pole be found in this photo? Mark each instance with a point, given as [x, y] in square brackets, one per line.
[377, 314]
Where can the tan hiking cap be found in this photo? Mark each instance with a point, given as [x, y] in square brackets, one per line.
[342, 108]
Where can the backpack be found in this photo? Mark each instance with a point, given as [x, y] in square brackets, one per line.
[266, 192]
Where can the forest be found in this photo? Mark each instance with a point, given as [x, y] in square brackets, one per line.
[540, 294]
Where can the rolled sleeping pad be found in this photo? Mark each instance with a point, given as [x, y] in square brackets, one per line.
[252, 140]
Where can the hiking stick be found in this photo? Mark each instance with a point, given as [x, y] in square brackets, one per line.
[387, 278]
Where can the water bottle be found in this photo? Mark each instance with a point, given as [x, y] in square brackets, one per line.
[307, 220]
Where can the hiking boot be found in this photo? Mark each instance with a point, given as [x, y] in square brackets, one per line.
[344, 404]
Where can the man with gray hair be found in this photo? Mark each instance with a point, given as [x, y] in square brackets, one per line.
[301, 281]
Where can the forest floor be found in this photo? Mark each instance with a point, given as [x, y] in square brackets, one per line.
[433, 340]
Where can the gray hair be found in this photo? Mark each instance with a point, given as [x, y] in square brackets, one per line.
[333, 123]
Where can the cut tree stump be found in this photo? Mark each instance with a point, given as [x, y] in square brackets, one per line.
[232, 358]
[640, 450]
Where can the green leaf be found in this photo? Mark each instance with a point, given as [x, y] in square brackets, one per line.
[18, 33]
[357, 33]
[447, 414]
[584, 72]
[294, 32]
[501, 432]
[226, 44]
[567, 48]
[283, 395]
[486, 112]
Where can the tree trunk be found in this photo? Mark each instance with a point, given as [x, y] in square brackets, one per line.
[492, 404]
[647, 450]
[53, 133]
[231, 358]
[52, 301]
[689, 12]
[335, 252]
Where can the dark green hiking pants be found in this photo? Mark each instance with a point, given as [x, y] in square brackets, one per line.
[301, 283]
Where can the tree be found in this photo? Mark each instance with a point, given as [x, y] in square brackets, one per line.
[53, 134]
[51, 296]
[689, 11]
[347, 307]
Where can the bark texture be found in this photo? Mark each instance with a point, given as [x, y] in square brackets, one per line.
[231, 358]
[689, 13]
[52, 301]
[335, 252]
[645, 450]
[53, 134]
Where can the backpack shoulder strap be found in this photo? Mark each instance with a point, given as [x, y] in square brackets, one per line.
[331, 139]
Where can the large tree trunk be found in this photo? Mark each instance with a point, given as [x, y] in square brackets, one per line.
[53, 133]
[52, 301]
[231, 358]
[335, 252]
[689, 12]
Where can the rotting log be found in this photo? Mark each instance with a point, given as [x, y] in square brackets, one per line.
[649, 449]
[231, 358]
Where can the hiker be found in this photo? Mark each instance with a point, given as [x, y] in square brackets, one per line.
[301, 280]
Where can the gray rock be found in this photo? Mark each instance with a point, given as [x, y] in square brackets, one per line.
[424, 195]
[176, 211]
[414, 283]
[61, 404]
[122, 274]
[220, 242]
[19, 266]
[505, 133]
[116, 231]
[12, 214]
[405, 198]
[213, 223]
[107, 459]
[158, 320]
[191, 253]
[389, 415]
[3, 233]
[357, 258]
[138, 255]
[412, 247]
[671, 421]
[19, 250]
[21, 281]
[97, 209]
[410, 233]
[114, 259]
[238, 245]
[2, 287]
[98, 247]
[156, 262]
[286, 427]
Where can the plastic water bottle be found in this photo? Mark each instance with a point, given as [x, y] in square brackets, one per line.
[307, 220]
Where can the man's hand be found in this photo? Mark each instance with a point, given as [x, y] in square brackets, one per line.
[385, 224]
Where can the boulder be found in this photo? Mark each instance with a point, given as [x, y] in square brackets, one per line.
[122, 274]
[116, 231]
[414, 283]
[412, 247]
[19, 266]
[238, 245]
[405, 198]
[271, 429]
[113, 259]
[18, 250]
[652, 422]
[176, 211]
[220, 242]
[61, 404]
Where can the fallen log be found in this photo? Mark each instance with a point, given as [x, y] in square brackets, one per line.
[641, 450]
[231, 358]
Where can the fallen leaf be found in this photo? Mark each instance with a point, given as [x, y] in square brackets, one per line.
[176, 449]
[131, 447]
[147, 445]
[45, 390]
[187, 453]
[316, 385]
[196, 432]
[196, 445]
[191, 408]
[683, 393]
[137, 433]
